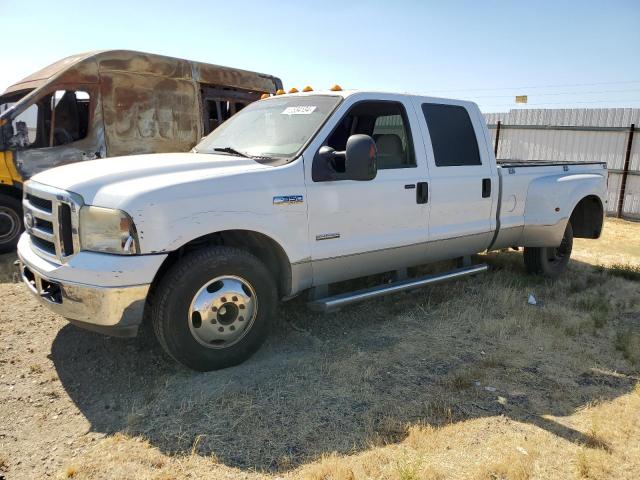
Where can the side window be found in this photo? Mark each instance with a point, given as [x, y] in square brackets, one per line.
[218, 111]
[452, 135]
[221, 103]
[70, 116]
[57, 119]
[385, 122]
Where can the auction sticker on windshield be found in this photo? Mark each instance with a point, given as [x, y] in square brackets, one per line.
[300, 110]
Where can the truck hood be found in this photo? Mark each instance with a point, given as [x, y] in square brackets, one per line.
[111, 182]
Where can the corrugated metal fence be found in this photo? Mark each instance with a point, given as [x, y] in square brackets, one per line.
[610, 135]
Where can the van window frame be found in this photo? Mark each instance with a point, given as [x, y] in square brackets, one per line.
[222, 94]
[92, 89]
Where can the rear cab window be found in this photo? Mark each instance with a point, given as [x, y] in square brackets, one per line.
[453, 137]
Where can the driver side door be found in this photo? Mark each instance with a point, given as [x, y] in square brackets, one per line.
[358, 228]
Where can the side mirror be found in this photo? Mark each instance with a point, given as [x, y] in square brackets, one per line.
[361, 158]
[357, 162]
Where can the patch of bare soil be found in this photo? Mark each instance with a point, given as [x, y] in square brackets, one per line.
[442, 382]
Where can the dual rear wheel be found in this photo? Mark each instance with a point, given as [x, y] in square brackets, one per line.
[550, 261]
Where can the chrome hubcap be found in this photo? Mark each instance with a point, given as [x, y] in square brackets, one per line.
[223, 311]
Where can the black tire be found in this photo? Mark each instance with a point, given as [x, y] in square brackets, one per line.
[182, 284]
[550, 261]
[11, 223]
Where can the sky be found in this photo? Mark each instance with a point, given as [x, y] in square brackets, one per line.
[561, 54]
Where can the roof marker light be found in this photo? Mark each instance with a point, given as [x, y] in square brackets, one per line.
[264, 95]
[336, 88]
[293, 90]
[307, 89]
[280, 92]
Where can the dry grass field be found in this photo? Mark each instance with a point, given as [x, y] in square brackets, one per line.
[464, 380]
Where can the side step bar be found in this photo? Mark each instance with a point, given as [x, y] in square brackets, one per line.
[335, 302]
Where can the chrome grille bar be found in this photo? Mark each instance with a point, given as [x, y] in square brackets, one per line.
[43, 234]
[48, 243]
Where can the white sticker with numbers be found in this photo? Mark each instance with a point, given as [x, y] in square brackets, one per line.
[301, 110]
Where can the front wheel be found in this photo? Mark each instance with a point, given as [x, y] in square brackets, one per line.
[10, 222]
[550, 261]
[212, 309]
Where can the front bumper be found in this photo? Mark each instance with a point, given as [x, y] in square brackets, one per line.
[111, 309]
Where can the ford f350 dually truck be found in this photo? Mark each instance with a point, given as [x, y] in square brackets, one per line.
[295, 192]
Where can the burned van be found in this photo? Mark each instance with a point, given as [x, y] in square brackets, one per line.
[111, 103]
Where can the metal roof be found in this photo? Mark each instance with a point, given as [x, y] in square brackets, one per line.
[579, 117]
[85, 67]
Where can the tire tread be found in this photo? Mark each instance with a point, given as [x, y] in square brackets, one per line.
[162, 296]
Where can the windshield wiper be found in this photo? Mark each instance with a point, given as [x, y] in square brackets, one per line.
[231, 151]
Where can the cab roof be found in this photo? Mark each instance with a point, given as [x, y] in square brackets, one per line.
[374, 93]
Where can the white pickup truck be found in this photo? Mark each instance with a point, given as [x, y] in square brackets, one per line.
[295, 192]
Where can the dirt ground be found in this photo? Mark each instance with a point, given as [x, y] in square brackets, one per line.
[461, 380]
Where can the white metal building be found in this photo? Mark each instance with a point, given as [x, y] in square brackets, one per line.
[581, 134]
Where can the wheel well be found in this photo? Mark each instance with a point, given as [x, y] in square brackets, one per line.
[262, 246]
[587, 218]
[11, 191]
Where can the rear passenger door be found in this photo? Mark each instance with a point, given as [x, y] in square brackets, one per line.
[462, 189]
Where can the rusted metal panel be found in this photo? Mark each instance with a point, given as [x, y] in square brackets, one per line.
[82, 68]
[145, 113]
[144, 63]
[85, 68]
[217, 75]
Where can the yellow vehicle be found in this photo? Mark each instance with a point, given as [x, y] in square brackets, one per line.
[106, 104]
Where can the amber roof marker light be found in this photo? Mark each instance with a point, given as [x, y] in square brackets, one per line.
[307, 89]
[280, 92]
[336, 88]
[293, 90]
[264, 95]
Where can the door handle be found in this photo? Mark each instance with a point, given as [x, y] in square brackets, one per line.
[422, 192]
[486, 187]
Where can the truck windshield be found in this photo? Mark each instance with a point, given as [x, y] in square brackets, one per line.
[274, 128]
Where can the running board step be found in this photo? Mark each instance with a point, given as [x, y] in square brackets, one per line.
[335, 302]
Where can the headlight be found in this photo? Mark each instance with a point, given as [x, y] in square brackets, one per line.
[107, 230]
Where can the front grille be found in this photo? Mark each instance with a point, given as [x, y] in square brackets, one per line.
[66, 236]
[43, 245]
[51, 220]
[41, 203]
[43, 225]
